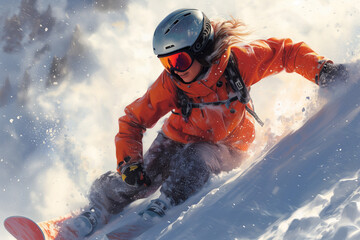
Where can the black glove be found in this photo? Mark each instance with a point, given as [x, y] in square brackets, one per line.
[133, 174]
[332, 73]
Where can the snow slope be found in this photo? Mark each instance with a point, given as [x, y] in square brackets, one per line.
[69, 67]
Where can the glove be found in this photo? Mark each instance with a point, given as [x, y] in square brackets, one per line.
[331, 73]
[133, 174]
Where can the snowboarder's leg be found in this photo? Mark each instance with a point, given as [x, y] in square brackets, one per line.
[157, 159]
[112, 194]
[191, 168]
[109, 194]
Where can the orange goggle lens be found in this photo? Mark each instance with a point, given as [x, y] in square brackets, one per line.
[180, 62]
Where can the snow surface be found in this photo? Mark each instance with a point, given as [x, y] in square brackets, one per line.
[67, 73]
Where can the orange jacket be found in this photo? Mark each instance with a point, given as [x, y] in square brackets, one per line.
[232, 125]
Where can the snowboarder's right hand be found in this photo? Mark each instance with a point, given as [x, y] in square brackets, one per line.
[133, 174]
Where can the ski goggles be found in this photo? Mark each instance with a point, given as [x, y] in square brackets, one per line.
[179, 62]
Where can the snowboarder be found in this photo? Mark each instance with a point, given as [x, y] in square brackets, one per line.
[208, 70]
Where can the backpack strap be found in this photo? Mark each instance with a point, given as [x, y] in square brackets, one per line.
[236, 82]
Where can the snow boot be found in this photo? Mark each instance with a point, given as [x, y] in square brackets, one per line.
[84, 224]
[157, 208]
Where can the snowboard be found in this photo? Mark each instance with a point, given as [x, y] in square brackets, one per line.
[23, 228]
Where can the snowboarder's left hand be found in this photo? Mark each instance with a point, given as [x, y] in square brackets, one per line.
[134, 175]
[332, 73]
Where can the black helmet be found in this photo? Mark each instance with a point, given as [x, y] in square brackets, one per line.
[184, 29]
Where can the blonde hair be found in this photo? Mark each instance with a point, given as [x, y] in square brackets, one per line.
[227, 33]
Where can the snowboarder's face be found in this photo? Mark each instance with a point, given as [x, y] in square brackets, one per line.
[190, 74]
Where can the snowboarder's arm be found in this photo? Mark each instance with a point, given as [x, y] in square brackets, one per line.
[271, 56]
[143, 113]
[278, 54]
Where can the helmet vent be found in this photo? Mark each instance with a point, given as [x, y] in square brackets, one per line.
[176, 22]
[172, 25]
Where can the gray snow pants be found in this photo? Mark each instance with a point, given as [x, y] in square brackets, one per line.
[180, 169]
